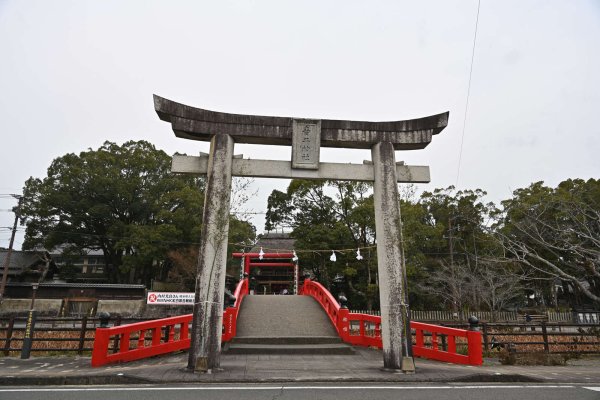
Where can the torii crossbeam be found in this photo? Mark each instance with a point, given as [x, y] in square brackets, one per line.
[306, 136]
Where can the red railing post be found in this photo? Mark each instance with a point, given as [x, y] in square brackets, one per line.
[142, 339]
[100, 350]
[171, 333]
[184, 331]
[234, 315]
[451, 344]
[156, 335]
[419, 338]
[361, 329]
[124, 346]
[343, 325]
[475, 350]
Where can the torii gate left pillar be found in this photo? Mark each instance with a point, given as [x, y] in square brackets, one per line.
[306, 138]
[205, 346]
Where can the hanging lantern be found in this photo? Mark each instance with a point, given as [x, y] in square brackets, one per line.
[332, 258]
[261, 254]
[358, 255]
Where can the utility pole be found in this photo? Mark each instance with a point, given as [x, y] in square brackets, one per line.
[452, 268]
[451, 245]
[17, 211]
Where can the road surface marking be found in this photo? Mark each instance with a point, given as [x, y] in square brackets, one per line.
[146, 388]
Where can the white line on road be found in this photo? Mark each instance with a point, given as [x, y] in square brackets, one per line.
[146, 388]
[595, 389]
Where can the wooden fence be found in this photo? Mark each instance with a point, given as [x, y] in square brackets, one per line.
[502, 316]
[536, 337]
[53, 334]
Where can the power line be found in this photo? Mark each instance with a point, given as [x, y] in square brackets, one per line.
[462, 139]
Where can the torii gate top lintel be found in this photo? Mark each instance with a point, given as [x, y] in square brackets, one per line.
[200, 124]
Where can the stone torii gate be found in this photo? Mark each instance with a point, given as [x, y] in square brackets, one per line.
[306, 136]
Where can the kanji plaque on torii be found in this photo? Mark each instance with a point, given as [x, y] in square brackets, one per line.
[306, 136]
[306, 143]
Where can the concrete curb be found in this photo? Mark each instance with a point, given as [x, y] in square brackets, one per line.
[122, 379]
[71, 380]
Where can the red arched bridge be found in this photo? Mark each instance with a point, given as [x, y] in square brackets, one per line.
[146, 339]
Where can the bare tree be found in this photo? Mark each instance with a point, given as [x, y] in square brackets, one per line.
[451, 282]
[461, 285]
[499, 284]
[241, 193]
[559, 239]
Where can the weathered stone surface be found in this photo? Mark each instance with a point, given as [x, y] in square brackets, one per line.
[390, 266]
[283, 169]
[306, 143]
[199, 124]
[124, 308]
[46, 307]
[205, 347]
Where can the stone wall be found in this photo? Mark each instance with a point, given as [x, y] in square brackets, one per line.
[123, 308]
[19, 307]
[163, 311]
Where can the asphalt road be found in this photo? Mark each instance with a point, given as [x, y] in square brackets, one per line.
[321, 392]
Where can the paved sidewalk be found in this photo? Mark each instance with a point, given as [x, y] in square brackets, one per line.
[364, 366]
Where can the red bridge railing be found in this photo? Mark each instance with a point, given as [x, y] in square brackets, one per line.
[231, 313]
[365, 330]
[151, 338]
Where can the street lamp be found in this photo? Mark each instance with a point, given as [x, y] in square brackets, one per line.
[34, 288]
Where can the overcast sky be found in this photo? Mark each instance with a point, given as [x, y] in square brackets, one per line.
[76, 73]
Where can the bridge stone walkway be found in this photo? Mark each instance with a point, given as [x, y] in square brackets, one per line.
[285, 325]
[283, 316]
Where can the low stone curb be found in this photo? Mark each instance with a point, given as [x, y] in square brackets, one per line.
[71, 380]
[122, 379]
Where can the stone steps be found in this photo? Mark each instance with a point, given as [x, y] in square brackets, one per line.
[288, 339]
[330, 348]
[285, 325]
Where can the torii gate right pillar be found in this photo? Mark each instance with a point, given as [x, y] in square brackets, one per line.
[395, 331]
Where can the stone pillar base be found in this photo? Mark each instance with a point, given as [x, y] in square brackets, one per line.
[201, 365]
[408, 365]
